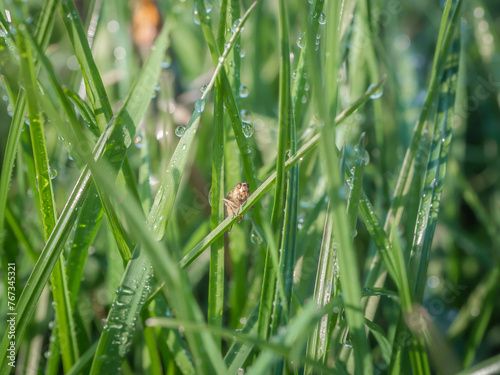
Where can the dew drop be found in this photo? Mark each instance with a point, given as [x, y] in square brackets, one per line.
[52, 173]
[377, 93]
[243, 91]
[245, 115]
[301, 41]
[180, 130]
[322, 19]
[199, 106]
[208, 6]
[255, 237]
[236, 24]
[203, 88]
[166, 64]
[248, 129]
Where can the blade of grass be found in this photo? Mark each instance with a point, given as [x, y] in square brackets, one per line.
[64, 314]
[323, 289]
[435, 173]
[216, 280]
[42, 35]
[326, 99]
[270, 302]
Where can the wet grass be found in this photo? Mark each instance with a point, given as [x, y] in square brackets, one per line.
[366, 133]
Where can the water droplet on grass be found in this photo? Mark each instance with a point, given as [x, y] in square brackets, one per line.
[243, 91]
[377, 93]
[301, 41]
[180, 130]
[199, 106]
[248, 129]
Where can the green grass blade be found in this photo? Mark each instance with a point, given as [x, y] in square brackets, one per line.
[325, 97]
[404, 178]
[270, 303]
[489, 367]
[267, 184]
[42, 35]
[324, 287]
[165, 198]
[46, 195]
[435, 173]
[93, 82]
[216, 281]
[127, 304]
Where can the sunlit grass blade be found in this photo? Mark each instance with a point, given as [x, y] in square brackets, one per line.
[42, 35]
[119, 329]
[270, 302]
[177, 289]
[65, 322]
[165, 198]
[127, 313]
[489, 367]
[240, 350]
[325, 97]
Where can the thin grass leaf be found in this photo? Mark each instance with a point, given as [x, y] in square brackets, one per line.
[317, 347]
[435, 173]
[93, 82]
[489, 367]
[229, 99]
[42, 35]
[239, 351]
[46, 196]
[282, 344]
[270, 303]
[216, 280]
[326, 99]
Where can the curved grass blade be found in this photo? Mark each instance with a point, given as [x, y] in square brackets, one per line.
[283, 344]
[46, 196]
